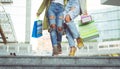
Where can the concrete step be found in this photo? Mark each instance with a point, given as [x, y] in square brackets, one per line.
[18, 48]
[61, 62]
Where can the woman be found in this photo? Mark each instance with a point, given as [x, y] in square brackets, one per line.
[54, 15]
[72, 10]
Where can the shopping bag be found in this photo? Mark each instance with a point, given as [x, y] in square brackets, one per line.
[37, 29]
[85, 19]
[88, 31]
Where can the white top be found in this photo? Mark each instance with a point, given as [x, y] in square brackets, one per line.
[58, 1]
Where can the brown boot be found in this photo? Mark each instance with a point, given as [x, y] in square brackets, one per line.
[55, 51]
[72, 51]
[59, 48]
[79, 43]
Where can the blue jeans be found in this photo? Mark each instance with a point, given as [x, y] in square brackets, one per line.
[71, 30]
[72, 33]
[56, 11]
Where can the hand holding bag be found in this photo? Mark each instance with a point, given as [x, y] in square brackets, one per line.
[86, 19]
[87, 28]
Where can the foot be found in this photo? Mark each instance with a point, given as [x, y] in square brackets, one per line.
[79, 43]
[55, 51]
[59, 48]
[72, 51]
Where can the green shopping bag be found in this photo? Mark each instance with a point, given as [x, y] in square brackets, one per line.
[88, 31]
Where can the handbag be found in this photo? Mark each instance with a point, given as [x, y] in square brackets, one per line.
[37, 29]
[85, 19]
[88, 31]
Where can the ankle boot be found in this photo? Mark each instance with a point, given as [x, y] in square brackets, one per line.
[72, 51]
[55, 51]
[59, 48]
[79, 43]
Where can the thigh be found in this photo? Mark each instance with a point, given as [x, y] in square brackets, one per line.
[59, 19]
[51, 15]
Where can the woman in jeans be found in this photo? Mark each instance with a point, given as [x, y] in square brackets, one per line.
[54, 11]
[72, 10]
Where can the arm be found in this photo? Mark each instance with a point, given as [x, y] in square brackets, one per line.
[83, 6]
[42, 7]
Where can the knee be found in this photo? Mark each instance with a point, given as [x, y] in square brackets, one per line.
[52, 28]
[67, 18]
[60, 29]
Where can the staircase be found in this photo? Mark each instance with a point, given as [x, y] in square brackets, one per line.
[86, 58]
[47, 62]
[6, 28]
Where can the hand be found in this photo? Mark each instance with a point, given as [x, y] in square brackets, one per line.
[67, 18]
[85, 13]
[37, 14]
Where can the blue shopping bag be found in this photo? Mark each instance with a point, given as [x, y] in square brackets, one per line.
[37, 29]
